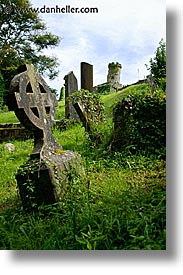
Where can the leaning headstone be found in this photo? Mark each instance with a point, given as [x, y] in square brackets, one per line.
[90, 128]
[45, 177]
[71, 85]
[86, 76]
[82, 116]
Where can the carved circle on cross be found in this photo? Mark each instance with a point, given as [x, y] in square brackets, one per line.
[34, 96]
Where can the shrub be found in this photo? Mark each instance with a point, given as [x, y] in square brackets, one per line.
[93, 113]
[104, 89]
[93, 107]
[2, 90]
[140, 122]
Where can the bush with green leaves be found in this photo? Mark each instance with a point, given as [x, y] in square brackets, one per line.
[104, 89]
[2, 90]
[93, 111]
[91, 103]
[140, 123]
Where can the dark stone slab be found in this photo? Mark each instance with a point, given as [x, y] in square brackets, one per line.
[86, 76]
[7, 134]
[16, 131]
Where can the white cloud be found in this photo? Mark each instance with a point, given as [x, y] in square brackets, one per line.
[123, 31]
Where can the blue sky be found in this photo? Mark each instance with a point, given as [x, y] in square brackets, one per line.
[124, 31]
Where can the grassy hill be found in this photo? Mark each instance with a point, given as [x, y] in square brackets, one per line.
[109, 101]
[120, 204]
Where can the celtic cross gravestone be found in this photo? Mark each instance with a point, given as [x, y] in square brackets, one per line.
[44, 178]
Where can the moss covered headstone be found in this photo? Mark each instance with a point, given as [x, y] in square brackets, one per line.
[44, 178]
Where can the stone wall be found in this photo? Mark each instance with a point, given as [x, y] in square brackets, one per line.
[10, 131]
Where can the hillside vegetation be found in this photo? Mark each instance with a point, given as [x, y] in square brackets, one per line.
[120, 204]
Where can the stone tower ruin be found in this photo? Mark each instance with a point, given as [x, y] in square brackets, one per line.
[113, 77]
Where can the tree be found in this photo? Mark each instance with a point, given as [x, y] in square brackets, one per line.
[2, 90]
[62, 92]
[23, 38]
[158, 66]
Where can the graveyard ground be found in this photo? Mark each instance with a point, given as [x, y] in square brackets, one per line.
[120, 204]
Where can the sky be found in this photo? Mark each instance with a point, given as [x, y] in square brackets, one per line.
[124, 31]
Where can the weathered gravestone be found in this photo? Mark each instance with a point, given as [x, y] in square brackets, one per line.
[86, 76]
[71, 85]
[45, 177]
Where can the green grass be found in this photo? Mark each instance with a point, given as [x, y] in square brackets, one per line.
[112, 99]
[8, 117]
[120, 204]
[60, 110]
[10, 161]
[123, 208]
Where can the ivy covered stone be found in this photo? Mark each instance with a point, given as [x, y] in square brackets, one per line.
[44, 182]
[91, 113]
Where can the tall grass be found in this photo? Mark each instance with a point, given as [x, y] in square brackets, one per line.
[114, 207]
[119, 204]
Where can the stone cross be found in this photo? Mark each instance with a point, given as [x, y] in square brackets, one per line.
[34, 104]
[45, 177]
[86, 76]
[71, 85]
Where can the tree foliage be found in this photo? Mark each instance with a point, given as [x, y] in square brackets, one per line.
[157, 66]
[23, 38]
[2, 90]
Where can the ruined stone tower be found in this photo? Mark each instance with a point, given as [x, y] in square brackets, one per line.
[113, 77]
